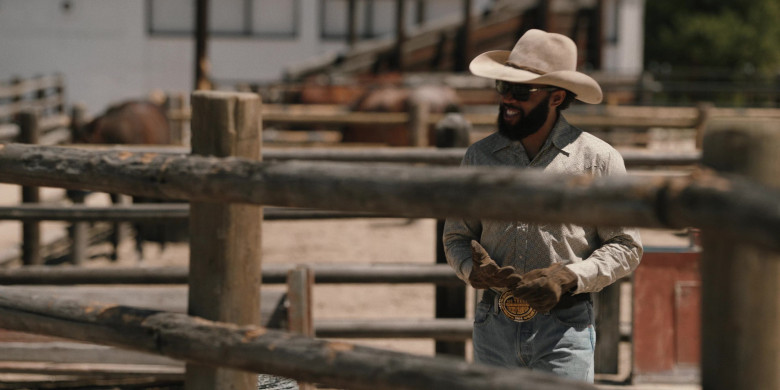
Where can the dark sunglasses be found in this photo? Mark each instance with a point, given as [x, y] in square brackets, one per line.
[519, 92]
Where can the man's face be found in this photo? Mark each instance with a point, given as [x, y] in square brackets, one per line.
[515, 124]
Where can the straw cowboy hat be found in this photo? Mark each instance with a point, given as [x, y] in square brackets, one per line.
[539, 57]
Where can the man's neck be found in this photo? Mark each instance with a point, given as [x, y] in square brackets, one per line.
[534, 142]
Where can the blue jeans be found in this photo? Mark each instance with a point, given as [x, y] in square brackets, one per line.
[561, 341]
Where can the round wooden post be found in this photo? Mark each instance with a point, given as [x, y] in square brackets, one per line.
[59, 91]
[463, 52]
[29, 133]
[79, 231]
[400, 34]
[300, 286]
[225, 252]
[452, 131]
[351, 23]
[741, 282]
[419, 113]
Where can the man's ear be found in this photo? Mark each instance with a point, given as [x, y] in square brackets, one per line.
[556, 98]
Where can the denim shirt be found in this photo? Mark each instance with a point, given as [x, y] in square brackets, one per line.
[597, 255]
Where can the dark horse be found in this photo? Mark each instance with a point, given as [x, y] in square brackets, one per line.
[135, 122]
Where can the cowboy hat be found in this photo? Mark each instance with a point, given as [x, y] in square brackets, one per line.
[539, 57]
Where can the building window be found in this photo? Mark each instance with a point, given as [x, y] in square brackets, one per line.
[376, 18]
[266, 18]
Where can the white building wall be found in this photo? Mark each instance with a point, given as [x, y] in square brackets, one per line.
[624, 36]
[103, 49]
[106, 55]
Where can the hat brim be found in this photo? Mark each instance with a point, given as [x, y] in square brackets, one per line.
[492, 65]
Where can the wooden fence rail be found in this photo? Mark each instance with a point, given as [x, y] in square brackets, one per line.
[440, 274]
[46, 93]
[740, 208]
[257, 349]
[153, 212]
[609, 116]
[409, 155]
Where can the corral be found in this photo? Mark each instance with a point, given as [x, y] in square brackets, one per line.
[666, 202]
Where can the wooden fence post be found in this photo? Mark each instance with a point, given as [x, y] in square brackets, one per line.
[40, 93]
[225, 251]
[452, 131]
[59, 92]
[705, 112]
[300, 283]
[79, 230]
[740, 289]
[400, 35]
[174, 107]
[29, 133]
[418, 123]
[607, 305]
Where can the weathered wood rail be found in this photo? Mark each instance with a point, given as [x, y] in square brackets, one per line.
[272, 274]
[120, 277]
[728, 208]
[733, 205]
[632, 157]
[255, 349]
[607, 116]
[46, 93]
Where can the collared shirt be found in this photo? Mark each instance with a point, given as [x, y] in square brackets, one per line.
[597, 255]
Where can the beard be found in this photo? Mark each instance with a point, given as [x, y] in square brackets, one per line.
[526, 124]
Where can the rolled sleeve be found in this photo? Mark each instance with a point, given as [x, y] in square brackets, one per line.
[620, 251]
[457, 237]
[617, 257]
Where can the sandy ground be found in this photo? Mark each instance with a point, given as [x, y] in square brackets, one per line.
[325, 241]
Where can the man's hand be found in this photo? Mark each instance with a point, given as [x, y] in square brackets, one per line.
[486, 273]
[542, 288]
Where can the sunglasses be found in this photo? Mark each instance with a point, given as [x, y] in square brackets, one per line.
[519, 92]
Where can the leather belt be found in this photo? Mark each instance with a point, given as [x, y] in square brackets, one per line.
[567, 299]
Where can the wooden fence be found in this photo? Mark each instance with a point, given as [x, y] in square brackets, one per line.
[44, 93]
[728, 208]
[608, 121]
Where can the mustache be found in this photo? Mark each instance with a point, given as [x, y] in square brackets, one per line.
[504, 106]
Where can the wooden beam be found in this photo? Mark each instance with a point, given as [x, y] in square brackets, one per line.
[156, 212]
[351, 23]
[254, 349]
[439, 274]
[224, 250]
[464, 39]
[411, 155]
[30, 133]
[740, 289]
[202, 66]
[735, 206]
[400, 34]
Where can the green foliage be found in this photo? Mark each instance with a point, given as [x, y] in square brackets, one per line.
[733, 34]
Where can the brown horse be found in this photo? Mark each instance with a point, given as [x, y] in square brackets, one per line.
[392, 98]
[135, 122]
[128, 123]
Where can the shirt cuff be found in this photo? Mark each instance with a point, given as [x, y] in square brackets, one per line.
[580, 283]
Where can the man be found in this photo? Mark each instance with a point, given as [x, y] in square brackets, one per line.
[535, 311]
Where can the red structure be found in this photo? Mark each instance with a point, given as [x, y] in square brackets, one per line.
[667, 317]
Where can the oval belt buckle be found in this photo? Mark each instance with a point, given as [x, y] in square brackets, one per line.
[516, 309]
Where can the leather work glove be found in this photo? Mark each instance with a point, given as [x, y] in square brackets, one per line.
[486, 273]
[542, 288]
